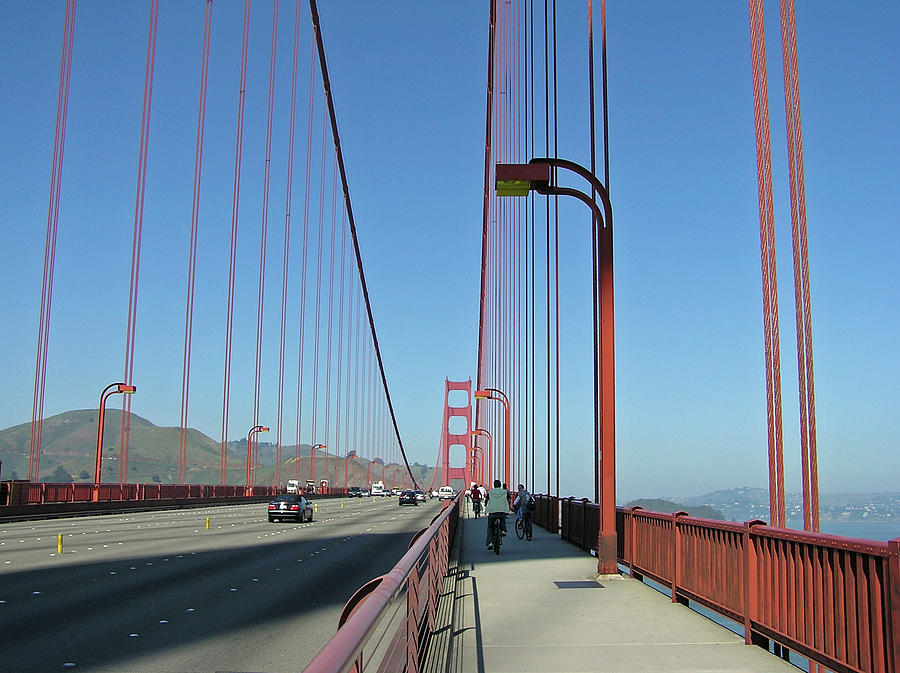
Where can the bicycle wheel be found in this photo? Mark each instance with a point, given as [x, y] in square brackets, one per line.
[520, 528]
[497, 537]
[528, 530]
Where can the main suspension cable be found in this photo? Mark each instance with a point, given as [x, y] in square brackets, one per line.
[362, 278]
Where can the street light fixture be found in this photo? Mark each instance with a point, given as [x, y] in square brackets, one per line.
[351, 454]
[499, 396]
[312, 461]
[540, 175]
[111, 389]
[255, 430]
[485, 464]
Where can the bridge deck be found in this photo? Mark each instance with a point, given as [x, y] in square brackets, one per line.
[536, 608]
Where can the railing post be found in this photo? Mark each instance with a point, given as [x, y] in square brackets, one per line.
[676, 557]
[751, 586]
[631, 541]
[894, 604]
[584, 512]
[412, 623]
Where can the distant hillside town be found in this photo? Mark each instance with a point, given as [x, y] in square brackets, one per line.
[744, 504]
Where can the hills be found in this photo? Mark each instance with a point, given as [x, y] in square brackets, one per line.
[69, 443]
[669, 507]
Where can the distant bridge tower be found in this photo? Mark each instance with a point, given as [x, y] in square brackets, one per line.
[449, 439]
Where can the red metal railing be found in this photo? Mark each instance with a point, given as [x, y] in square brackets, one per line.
[831, 599]
[546, 512]
[22, 493]
[387, 623]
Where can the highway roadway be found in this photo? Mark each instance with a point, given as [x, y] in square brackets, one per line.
[157, 592]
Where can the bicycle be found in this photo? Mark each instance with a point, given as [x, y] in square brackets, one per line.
[524, 527]
[476, 507]
[496, 524]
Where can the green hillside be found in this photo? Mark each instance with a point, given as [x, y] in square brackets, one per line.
[668, 507]
[69, 442]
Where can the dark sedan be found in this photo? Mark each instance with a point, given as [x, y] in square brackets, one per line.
[408, 498]
[290, 506]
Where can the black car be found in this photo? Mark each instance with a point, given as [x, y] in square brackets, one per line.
[408, 498]
[354, 492]
[290, 506]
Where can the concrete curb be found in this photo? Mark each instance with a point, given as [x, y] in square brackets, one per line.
[464, 640]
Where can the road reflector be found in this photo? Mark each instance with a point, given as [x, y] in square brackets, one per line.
[59, 544]
[207, 523]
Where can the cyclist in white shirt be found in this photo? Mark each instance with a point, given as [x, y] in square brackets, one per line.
[497, 508]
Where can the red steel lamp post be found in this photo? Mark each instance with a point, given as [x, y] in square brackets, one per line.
[499, 396]
[368, 470]
[485, 464]
[478, 465]
[312, 460]
[255, 430]
[111, 389]
[347, 458]
[540, 175]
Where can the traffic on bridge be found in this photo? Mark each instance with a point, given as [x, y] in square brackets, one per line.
[159, 591]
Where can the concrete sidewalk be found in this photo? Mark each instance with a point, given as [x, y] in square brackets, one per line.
[539, 607]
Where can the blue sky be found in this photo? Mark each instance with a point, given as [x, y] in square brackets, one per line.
[409, 86]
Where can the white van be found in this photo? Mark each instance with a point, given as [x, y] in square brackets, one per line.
[377, 488]
[293, 486]
[446, 493]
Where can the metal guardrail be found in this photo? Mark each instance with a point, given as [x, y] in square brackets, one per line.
[22, 500]
[832, 599]
[19, 493]
[546, 512]
[387, 624]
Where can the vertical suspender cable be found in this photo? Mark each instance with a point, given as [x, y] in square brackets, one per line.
[556, 249]
[340, 356]
[532, 484]
[605, 98]
[801, 267]
[357, 367]
[330, 323]
[304, 252]
[483, 316]
[235, 202]
[340, 160]
[315, 384]
[263, 234]
[287, 241]
[547, 205]
[192, 254]
[767, 254]
[594, 252]
[519, 477]
[340, 367]
[59, 143]
[136, 236]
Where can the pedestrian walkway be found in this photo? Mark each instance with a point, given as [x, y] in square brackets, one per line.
[539, 607]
